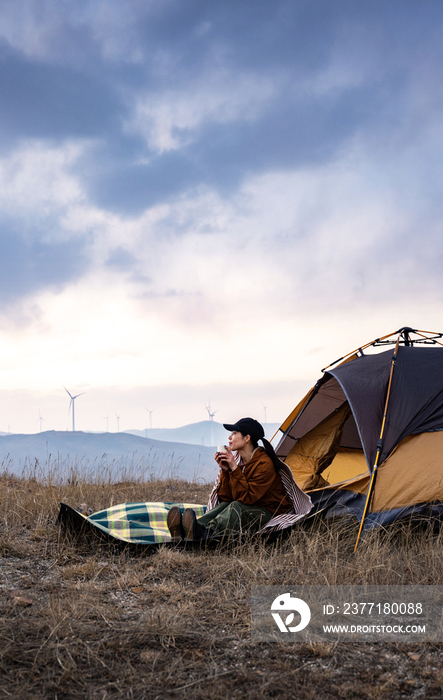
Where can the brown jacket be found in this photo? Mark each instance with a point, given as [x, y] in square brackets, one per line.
[255, 484]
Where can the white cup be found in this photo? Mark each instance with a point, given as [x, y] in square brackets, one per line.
[221, 448]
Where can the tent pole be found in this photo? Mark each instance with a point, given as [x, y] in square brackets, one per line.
[379, 445]
[426, 337]
[430, 332]
[383, 337]
[362, 347]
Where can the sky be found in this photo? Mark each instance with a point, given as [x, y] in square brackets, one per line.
[205, 203]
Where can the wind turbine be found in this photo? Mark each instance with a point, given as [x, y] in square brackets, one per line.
[264, 408]
[211, 415]
[150, 416]
[118, 422]
[106, 418]
[40, 419]
[71, 405]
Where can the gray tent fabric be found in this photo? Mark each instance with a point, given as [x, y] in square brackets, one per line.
[365, 383]
[418, 373]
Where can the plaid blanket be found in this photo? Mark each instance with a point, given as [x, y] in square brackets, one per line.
[137, 523]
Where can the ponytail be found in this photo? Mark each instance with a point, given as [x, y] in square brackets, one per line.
[271, 454]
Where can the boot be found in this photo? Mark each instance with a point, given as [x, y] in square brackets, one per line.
[174, 522]
[192, 528]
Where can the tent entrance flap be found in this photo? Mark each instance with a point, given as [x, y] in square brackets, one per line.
[315, 450]
[317, 406]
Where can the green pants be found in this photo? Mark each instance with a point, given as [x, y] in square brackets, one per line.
[234, 517]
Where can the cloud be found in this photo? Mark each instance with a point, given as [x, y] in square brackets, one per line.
[207, 94]
[179, 177]
[37, 251]
[170, 119]
[121, 259]
[40, 100]
[28, 266]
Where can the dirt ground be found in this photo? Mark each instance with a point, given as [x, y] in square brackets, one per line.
[85, 620]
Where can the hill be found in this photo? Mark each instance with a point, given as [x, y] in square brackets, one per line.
[114, 455]
[203, 433]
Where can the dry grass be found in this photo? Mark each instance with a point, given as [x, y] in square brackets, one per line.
[89, 621]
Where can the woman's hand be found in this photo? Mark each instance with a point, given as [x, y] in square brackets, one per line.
[226, 460]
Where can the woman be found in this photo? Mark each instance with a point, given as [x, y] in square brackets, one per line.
[249, 491]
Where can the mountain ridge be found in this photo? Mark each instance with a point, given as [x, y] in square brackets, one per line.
[204, 433]
[111, 455]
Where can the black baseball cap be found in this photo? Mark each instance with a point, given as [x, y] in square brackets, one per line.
[247, 426]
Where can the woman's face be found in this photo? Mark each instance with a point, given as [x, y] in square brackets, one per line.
[237, 440]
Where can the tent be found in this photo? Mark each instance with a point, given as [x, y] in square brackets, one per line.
[367, 439]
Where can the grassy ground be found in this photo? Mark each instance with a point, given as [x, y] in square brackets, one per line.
[83, 620]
